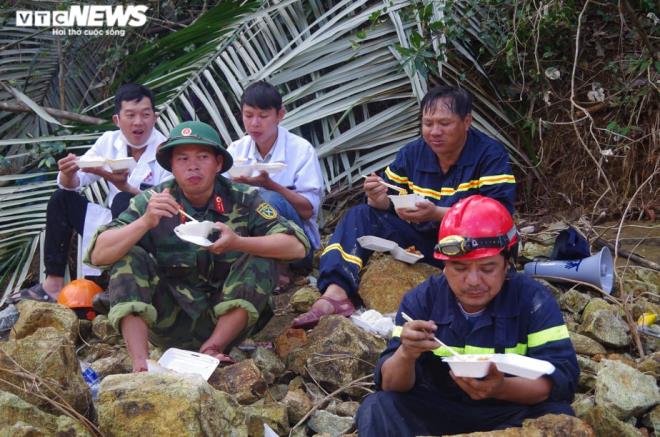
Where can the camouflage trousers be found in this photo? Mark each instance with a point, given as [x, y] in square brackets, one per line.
[181, 312]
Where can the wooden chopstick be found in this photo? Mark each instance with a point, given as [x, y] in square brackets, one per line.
[407, 318]
[394, 187]
[151, 192]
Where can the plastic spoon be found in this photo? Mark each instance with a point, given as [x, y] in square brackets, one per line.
[407, 318]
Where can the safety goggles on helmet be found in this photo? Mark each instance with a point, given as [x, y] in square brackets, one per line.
[457, 245]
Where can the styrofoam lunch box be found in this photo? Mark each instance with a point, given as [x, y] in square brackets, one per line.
[240, 170]
[195, 232]
[476, 366]
[90, 162]
[405, 256]
[270, 167]
[183, 361]
[121, 163]
[371, 242]
[407, 201]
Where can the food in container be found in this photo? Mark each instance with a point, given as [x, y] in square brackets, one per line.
[121, 163]
[406, 201]
[195, 232]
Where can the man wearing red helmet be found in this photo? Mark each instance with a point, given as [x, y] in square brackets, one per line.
[478, 306]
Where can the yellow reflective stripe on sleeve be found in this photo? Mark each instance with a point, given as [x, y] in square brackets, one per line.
[395, 177]
[478, 183]
[520, 349]
[476, 350]
[348, 258]
[444, 352]
[396, 332]
[540, 338]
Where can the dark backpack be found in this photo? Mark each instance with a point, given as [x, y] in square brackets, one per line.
[570, 244]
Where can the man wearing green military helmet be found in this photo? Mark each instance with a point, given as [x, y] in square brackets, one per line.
[176, 293]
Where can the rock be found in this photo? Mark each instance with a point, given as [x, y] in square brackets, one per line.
[242, 380]
[582, 404]
[104, 331]
[625, 391]
[650, 365]
[652, 420]
[606, 327]
[18, 414]
[297, 404]
[303, 299]
[272, 414]
[573, 301]
[8, 317]
[300, 431]
[550, 425]
[337, 353]
[640, 280]
[598, 304]
[586, 345]
[325, 422]
[588, 371]
[642, 305]
[531, 250]
[116, 364]
[85, 329]
[269, 363]
[385, 281]
[161, 404]
[289, 340]
[605, 424]
[50, 356]
[278, 391]
[347, 409]
[35, 315]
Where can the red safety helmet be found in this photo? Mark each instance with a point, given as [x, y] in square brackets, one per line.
[78, 295]
[475, 227]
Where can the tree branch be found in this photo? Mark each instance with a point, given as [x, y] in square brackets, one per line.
[66, 115]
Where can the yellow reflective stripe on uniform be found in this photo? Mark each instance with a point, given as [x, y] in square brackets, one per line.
[444, 352]
[396, 332]
[395, 177]
[476, 350]
[540, 338]
[347, 257]
[520, 349]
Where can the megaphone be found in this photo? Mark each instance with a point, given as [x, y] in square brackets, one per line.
[597, 270]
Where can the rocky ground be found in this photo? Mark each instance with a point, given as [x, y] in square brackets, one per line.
[309, 383]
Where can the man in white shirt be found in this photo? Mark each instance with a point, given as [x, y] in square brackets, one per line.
[68, 210]
[295, 191]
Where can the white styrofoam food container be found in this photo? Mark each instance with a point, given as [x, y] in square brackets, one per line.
[183, 361]
[521, 365]
[476, 366]
[270, 167]
[90, 162]
[195, 232]
[469, 366]
[121, 163]
[407, 201]
[240, 170]
[371, 242]
[405, 256]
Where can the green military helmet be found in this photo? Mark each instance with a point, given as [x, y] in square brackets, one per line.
[192, 132]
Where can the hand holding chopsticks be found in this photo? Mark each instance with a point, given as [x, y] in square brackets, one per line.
[181, 211]
[407, 318]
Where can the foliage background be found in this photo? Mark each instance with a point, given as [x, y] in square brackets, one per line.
[571, 88]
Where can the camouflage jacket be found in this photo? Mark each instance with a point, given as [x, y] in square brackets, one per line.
[195, 270]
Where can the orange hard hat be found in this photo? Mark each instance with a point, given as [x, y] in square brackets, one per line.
[79, 294]
[475, 227]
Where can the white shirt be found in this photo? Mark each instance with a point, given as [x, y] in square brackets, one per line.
[302, 173]
[112, 145]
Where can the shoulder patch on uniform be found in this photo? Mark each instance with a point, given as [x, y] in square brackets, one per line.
[266, 211]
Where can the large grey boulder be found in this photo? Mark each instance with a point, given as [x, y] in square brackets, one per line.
[586, 345]
[606, 327]
[17, 414]
[625, 391]
[324, 422]
[46, 363]
[148, 404]
[337, 353]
